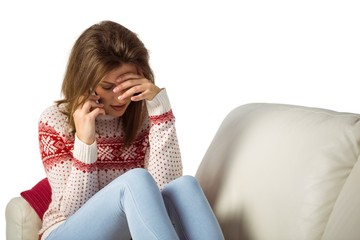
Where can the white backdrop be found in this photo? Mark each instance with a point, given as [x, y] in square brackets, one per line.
[210, 55]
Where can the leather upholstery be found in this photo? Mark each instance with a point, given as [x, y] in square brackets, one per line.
[276, 171]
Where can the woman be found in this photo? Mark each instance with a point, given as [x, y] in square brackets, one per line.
[110, 150]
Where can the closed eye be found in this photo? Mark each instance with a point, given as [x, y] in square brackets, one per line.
[107, 86]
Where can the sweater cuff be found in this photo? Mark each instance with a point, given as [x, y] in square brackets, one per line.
[84, 152]
[160, 104]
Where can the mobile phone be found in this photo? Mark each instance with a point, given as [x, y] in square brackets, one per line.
[94, 93]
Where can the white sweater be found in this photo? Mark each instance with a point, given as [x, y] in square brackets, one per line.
[76, 171]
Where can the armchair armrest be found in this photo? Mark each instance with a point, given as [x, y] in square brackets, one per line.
[22, 222]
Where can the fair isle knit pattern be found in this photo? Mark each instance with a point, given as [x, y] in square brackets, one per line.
[77, 171]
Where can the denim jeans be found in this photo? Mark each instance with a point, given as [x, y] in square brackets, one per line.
[133, 207]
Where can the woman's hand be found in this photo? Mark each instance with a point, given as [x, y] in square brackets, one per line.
[84, 118]
[135, 86]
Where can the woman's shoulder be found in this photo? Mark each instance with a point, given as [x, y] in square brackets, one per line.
[52, 111]
[54, 116]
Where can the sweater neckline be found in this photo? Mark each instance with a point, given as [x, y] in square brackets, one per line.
[106, 117]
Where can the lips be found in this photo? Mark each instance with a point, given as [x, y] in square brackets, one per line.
[118, 107]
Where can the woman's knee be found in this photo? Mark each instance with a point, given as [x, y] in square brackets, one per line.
[184, 182]
[137, 176]
[138, 172]
[188, 180]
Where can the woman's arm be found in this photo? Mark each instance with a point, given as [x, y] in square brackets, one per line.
[163, 159]
[68, 162]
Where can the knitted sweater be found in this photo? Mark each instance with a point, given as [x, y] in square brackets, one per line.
[76, 171]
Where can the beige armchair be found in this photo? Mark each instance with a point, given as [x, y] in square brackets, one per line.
[280, 172]
[272, 172]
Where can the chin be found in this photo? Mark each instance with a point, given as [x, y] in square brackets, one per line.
[114, 114]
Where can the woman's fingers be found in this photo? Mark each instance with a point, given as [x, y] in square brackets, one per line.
[96, 112]
[127, 84]
[134, 90]
[84, 118]
[128, 76]
[137, 89]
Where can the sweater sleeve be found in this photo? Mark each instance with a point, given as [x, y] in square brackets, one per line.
[69, 166]
[163, 159]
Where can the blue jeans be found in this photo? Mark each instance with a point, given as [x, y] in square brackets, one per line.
[132, 206]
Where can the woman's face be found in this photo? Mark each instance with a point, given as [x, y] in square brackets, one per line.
[112, 105]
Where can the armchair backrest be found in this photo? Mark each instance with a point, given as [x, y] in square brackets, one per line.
[276, 171]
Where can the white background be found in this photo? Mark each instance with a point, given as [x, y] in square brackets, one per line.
[212, 56]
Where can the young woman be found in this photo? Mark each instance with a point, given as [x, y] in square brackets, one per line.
[110, 150]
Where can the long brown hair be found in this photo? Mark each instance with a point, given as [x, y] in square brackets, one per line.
[100, 49]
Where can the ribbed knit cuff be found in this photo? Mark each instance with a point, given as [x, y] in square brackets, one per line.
[159, 105]
[84, 152]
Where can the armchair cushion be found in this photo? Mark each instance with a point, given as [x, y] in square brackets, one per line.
[39, 197]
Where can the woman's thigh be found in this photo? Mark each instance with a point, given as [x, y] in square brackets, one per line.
[131, 205]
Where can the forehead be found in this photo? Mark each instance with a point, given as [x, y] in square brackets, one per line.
[117, 72]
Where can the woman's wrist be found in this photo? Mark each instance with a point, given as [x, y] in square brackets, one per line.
[84, 152]
[160, 104]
